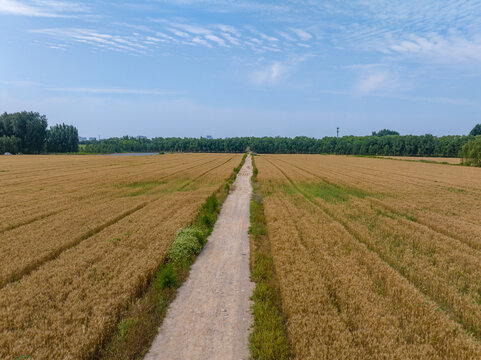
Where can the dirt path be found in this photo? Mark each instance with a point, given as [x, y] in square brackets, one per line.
[210, 317]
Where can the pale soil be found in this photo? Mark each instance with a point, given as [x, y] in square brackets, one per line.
[210, 317]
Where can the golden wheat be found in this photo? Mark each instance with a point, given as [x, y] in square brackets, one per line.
[65, 306]
[364, 268]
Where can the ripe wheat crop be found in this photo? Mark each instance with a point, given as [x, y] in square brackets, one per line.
[87, 234]
[376, 259]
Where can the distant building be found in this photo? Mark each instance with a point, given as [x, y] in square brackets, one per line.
[141, 137]
[82, 138]
[92, 138]
[209, 137]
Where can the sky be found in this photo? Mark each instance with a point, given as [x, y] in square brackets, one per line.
[244, 68]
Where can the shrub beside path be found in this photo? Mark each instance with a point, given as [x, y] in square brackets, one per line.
[210, 317]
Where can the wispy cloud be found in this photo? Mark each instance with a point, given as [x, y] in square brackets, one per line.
[375, 78]
[286, 36]
[200, 41]
[228, 29]
[131, 43]
[41, 8]
[179, 33]
[215, 39]
[301, 34]
[233, 40]
[270, 75]
[378, 80]
[277, 71]
[222, 6]
[145, 38]
[453, 47]
[431, 30]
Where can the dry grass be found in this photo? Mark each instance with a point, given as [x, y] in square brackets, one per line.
[375, 258]
[79, 268]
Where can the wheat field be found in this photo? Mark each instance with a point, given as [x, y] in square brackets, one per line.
[375, 259]
[80, 238]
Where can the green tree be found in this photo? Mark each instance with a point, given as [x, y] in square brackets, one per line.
[476, 130]
[471, 152]
[384, 132]
[30, 128]
[62, 138]
[9, 144]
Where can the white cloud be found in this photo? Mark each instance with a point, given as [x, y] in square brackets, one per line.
[253, 30]
[268, 38]
[196, 30]
[139, 38]
[444, 48]
[154, 39]
[127, 43]
[375, 81]
[286, 36]
[41, 8]
[179, 33]
[228, 29]
[301, 34]
[165, 36]
[270, 75]
[222, 6]
[200, 41]
[231, 39]
[216, 39]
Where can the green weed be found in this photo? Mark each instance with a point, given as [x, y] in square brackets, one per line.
[457, 190]
[330, 192]
[188, 242]
[166, 277]
[124, 327]
[114, 240]
[142, 187]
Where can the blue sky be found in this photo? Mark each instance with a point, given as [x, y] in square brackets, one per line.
[241, 68]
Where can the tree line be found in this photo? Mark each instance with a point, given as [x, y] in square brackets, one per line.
[27, 133]
[384, 145]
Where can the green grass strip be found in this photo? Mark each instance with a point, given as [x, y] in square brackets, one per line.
[268, 340]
